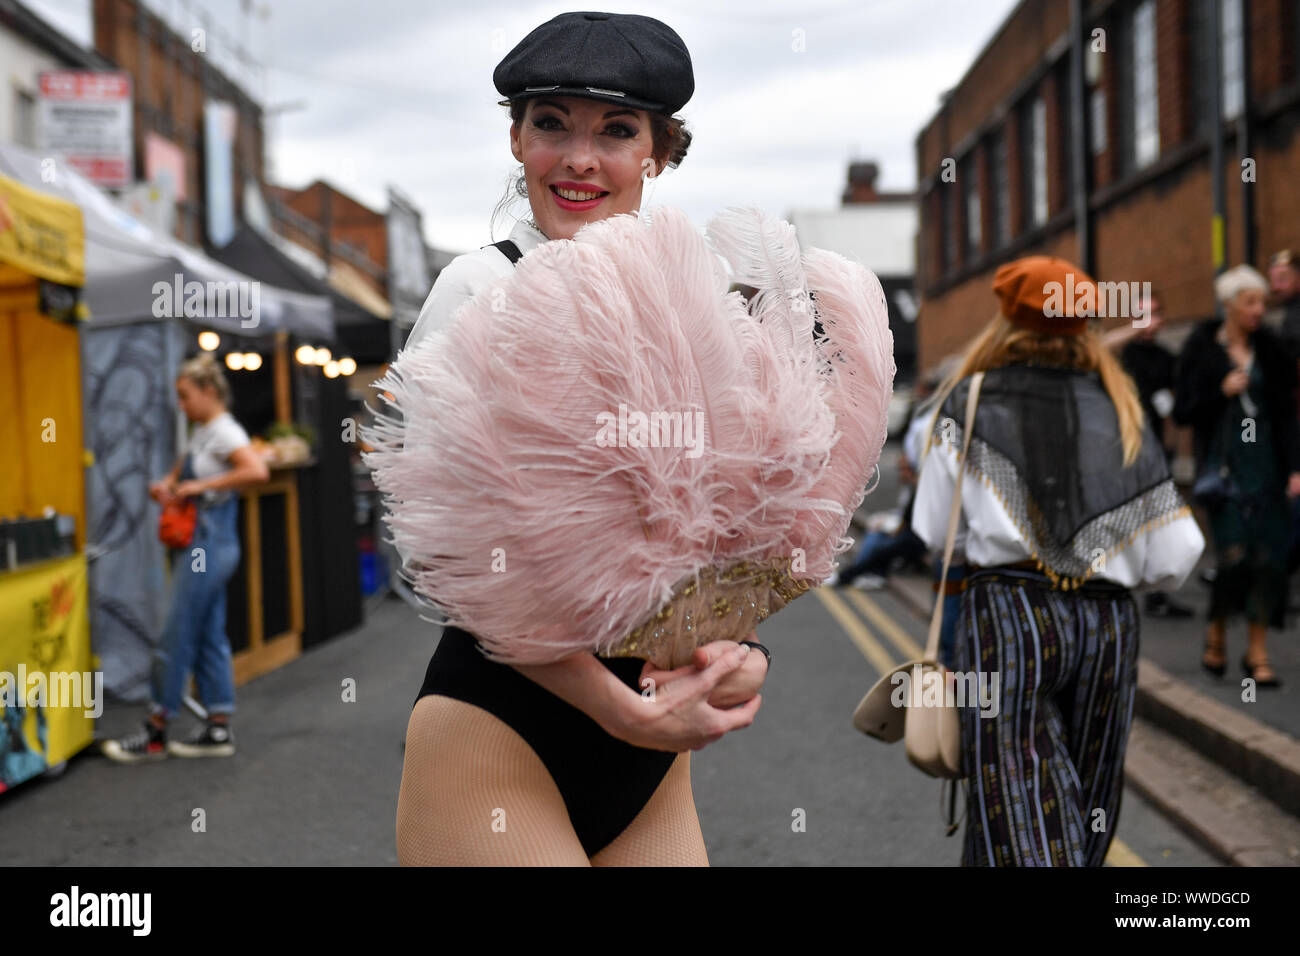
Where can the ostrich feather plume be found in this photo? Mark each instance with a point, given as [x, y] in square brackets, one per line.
[609, 452]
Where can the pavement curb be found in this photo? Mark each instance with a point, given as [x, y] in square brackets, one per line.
[1162, 783]
[1260, 755]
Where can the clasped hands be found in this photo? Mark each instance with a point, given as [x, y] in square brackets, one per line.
[734, 689]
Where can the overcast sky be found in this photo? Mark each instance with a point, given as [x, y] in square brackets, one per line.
[400, 92]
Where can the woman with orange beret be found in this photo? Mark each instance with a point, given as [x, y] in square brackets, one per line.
[1072, 506]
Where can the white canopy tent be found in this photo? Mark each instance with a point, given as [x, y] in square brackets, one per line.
[134, 274]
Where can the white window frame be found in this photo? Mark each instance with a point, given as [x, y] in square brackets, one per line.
[1038, 154]
[1146, 93]
[974, 228]
[1097, 117]
[1233, 59]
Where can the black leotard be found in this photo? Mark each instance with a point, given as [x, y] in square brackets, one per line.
[604, 781]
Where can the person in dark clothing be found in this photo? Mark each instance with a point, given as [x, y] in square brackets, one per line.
[1152, 367]
[1236, 385]
[1284, 284]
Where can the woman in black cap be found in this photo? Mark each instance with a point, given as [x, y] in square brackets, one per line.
[568, 763]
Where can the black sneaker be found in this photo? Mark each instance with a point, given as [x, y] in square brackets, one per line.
[214, 740]
[148, 743]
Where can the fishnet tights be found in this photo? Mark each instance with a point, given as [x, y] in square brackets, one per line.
[475, 794]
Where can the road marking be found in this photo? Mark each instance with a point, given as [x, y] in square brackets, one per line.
[910, 650]
[871, 648]
[1121, 854]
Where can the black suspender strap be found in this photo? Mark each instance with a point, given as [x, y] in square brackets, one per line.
[509, 250]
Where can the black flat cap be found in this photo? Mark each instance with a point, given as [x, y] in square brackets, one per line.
[616, 57]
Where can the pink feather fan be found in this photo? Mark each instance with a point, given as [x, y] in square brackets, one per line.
[609, 452]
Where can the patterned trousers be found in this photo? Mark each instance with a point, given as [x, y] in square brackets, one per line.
[1044, 775]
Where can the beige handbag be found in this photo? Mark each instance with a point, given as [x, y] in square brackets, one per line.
[932, 733]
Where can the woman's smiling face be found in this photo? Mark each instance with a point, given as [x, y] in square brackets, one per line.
[579, 146]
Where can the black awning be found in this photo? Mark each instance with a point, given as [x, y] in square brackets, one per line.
[358, 333]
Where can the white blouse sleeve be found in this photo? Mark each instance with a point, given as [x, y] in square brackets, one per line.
[933, 502]
[456, 284]
[1172, 551]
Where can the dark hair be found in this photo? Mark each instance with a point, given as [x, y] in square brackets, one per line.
[671, 139]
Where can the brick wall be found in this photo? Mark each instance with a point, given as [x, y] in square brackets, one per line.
[1153, 226]
[351, 222]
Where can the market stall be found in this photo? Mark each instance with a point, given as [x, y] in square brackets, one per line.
[150, 297]
[304, 395]
[47, 688]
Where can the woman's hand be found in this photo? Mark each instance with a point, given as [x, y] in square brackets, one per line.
[1293, 485]
[1235, 382]
[162, 490]
[736, 688]
[676, 712]
[190, 489]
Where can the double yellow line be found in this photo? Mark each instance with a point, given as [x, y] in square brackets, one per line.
[883, 661]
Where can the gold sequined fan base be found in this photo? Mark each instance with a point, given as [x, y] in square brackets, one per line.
[716, 605]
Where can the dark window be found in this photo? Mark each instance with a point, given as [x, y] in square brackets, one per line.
[946, 194]
[1201, 64]
[1065, 124]
[1295, 41]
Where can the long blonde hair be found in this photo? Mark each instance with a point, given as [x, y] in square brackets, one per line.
[1001, 343]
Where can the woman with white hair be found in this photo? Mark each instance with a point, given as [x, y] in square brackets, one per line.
[1236, 389]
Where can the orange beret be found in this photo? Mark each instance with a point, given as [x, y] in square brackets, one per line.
[1039, 293]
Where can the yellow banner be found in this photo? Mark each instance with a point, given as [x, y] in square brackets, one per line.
[49, 690]
[41, 234]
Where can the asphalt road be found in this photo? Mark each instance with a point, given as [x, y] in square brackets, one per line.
[315, 780]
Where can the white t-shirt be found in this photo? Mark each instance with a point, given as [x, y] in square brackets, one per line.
[465, 276]
[210, 448]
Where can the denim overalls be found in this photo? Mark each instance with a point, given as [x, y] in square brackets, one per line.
[194, 637]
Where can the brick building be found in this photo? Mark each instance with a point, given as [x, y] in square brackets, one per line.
[172, 82]
[996, 165]
[335, 227]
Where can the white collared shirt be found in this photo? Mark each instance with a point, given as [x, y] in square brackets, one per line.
[1159, 558]
[466, 276]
